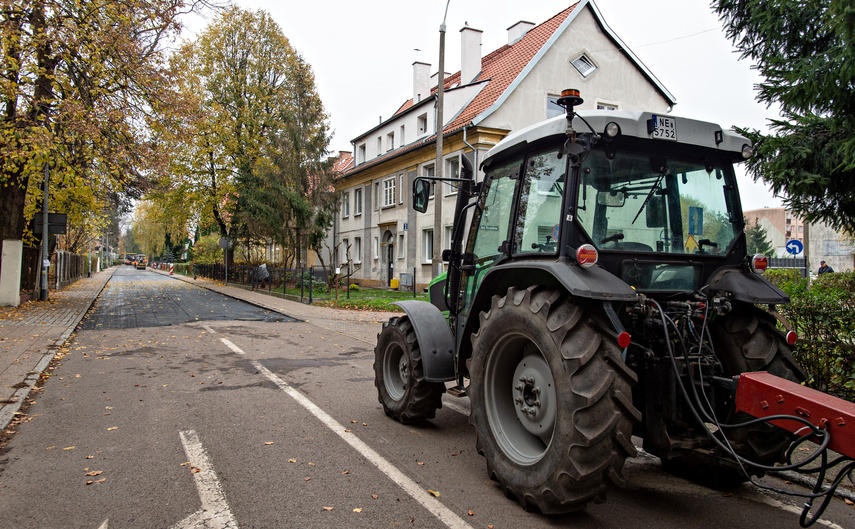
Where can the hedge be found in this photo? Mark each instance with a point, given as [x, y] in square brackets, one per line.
[822, 312]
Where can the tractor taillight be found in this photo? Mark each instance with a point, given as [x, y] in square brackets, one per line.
[586, 256]
[624, 339]
[792, 337]
[759, 263]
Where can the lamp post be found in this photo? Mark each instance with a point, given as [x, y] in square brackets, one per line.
[436, 258]
[43, 291]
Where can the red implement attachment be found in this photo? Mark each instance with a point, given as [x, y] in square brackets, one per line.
[761, 394]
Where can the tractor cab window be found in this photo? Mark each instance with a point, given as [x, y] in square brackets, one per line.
[638, 202]
[537, 226]
[489, 232]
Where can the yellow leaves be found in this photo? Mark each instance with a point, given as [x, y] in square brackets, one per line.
[268, 443]
[111, 428]
[69, 448]
[328, 508]
[95, 473]
[292, 460]
[358, 509]
[434, 493]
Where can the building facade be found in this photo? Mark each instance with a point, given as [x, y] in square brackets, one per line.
[377, 234]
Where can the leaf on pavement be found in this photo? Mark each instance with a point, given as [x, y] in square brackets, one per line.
[292, 460]
[111, 428]
[470, 512]
[95, 473]
[307, 478]
[374, 497]
[420, 463]
[69, 448]
[433, 493]
[848, 501]
[358, 509]
[354, 421]
[268, 443]
[328, 508]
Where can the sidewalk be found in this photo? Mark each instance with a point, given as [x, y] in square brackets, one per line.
[31, 334]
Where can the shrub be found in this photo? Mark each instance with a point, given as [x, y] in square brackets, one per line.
[354, 287]
[822, 312]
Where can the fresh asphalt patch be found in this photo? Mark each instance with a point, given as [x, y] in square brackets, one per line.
[140, 298]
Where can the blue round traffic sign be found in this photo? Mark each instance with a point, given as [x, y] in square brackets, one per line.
[795, 247]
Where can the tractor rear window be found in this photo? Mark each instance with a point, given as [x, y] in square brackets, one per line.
[637, 202]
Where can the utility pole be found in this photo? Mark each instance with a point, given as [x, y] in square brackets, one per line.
[436, 258]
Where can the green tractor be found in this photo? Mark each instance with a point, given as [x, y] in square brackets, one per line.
[598, 288]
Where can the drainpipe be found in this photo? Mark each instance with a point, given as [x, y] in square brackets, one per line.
[474, 155]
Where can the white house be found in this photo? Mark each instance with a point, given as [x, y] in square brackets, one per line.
[512, 87]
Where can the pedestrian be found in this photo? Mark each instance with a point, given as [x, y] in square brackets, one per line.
[824, 268]
[262, 276]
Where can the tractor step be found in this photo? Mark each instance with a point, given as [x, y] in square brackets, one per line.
[456, 391]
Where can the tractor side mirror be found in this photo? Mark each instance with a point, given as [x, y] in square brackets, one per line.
[421, 193]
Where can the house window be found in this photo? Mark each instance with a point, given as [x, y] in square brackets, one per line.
[448, 231]
[360, 154]
[428, 170]
[401, 246]
[357, 201]
[400, 189]
[390, 141]
[376, 196]
[606, 106]
[389, 192]
[344, 243]
[422, 124]
[345, 205]
[553, 108]
[357, 249]
[427, 246]
[376, 249]
[379, 145]
[452, 170]
[402, 140]
[584, 65]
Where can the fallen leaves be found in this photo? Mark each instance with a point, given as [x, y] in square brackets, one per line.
[358, 509]
[328, 509]
[434, 493]
[69, 448]
[268, 443]
[111, 428]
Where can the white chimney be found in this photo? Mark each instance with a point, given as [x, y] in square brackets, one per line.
[518, 31]
[470, 54]
[421, 81]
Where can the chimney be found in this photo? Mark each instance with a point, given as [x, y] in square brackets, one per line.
[518, 31]
[470, 54]
[421, 81]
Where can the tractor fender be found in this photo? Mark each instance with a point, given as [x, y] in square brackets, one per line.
[434, 338]
[746, 286]
[593, 283]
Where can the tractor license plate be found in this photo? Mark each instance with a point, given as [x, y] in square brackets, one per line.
[664, 128]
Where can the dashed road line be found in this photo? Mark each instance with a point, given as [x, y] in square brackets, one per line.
[413, 489]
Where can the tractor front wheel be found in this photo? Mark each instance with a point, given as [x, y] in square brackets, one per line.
[551, 400]
[399, 375]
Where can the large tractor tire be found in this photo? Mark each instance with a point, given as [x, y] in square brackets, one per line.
[551, 400]
[399, 376]
[745, 340]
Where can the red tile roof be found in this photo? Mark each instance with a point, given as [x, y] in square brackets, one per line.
[501, 68]
[498, 70]
[343, 163]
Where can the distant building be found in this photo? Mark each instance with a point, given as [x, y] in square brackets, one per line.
[822, 242]
[377, 232]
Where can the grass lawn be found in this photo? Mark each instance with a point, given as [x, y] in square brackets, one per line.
[363, 299]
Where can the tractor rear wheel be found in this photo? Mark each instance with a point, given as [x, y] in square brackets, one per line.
[551, 400]
[399, 375]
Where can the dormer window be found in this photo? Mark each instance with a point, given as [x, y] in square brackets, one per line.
[584, 65]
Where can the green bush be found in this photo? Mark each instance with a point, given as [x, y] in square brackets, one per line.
[822, 312]
[354, 287]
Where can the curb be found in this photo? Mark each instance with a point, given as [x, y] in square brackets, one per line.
[8, 411]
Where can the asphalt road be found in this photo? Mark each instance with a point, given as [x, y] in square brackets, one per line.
[178, 407]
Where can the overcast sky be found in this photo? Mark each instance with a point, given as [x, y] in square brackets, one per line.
[362, 54]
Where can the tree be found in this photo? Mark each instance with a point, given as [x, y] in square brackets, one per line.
[757, 239]
[249, 150]
[806, 53]
[80, 83]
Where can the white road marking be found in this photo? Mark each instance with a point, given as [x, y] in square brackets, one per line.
[215, 512]
[104, 524]
[433, 505]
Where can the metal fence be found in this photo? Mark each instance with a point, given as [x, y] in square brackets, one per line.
[312, 280]
[783, 262]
